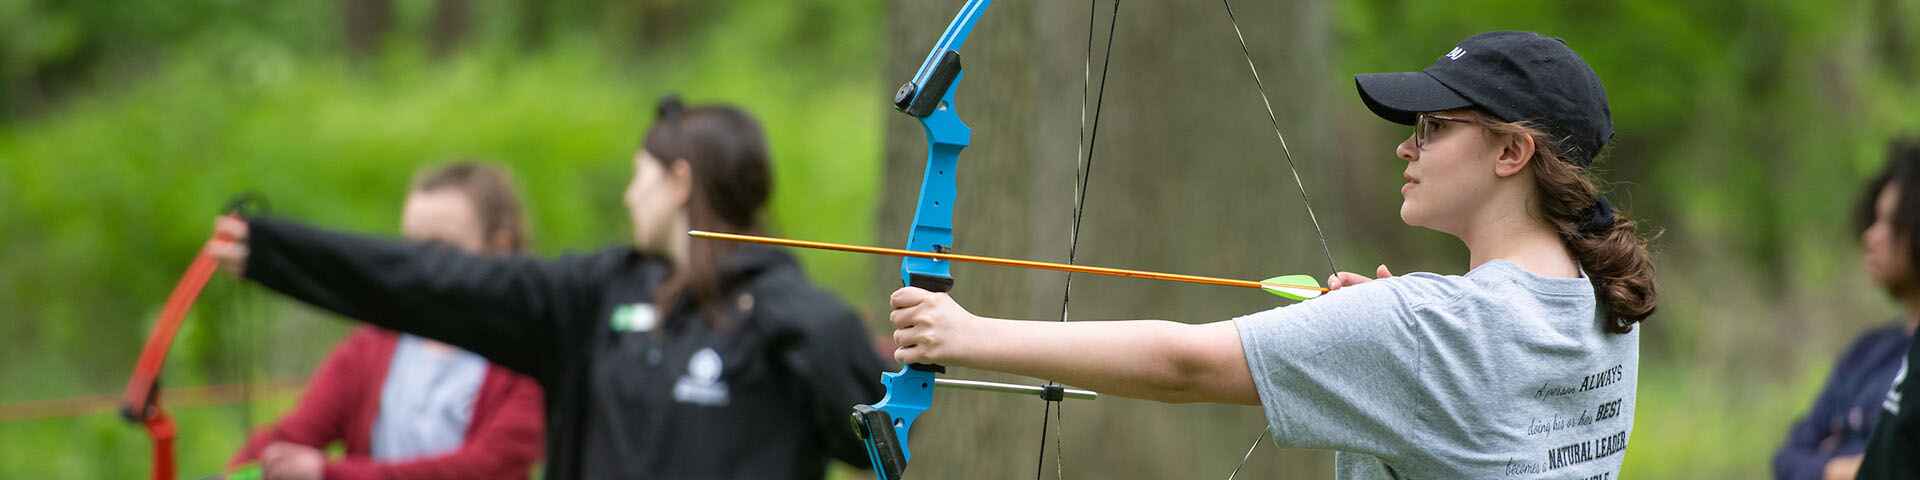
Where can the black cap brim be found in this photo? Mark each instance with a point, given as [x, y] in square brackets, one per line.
[1399, 97]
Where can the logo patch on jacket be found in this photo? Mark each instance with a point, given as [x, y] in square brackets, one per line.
[701, 384]
[633, 317]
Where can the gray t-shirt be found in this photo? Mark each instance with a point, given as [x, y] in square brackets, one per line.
[1497, 374]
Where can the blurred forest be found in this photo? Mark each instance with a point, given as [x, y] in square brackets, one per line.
[1744, 129]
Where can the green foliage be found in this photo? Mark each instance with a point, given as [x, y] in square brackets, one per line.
[1708, 424]
[1744, 127]
[107, 198]
[104, 446]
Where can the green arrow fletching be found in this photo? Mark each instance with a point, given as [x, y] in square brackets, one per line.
[1298, 288]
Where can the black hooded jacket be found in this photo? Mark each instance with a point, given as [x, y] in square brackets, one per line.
[633, 390]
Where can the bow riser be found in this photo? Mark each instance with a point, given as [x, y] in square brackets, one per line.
[928, 97]
[932, 231]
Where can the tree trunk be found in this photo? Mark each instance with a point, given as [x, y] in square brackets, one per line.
[533, 24]
[1187, 177]
[452, 19]
[365, 24]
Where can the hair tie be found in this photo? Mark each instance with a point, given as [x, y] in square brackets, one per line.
[1599, 217]
[669, 107]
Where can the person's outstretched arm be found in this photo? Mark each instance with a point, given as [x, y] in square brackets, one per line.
[515, 311]
[1317, 368]
[1146, 359]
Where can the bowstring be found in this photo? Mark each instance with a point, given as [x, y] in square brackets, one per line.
[1083, 154]
[1305, 199]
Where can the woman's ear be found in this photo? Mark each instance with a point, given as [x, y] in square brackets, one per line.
[680, 180]
[1514, 156]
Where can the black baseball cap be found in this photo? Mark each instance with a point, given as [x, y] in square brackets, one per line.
[1515, 76]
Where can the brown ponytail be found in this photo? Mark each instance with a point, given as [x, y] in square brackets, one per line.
[1607, 243]
[732, 181]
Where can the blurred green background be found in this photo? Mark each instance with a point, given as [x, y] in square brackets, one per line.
[1746, 127]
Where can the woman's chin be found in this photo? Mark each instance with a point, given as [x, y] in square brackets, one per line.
[642, 242]
[1409, 215]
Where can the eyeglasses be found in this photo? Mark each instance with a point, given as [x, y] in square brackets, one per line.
[1426, 124]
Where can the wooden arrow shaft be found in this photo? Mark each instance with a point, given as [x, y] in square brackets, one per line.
[1008, 262]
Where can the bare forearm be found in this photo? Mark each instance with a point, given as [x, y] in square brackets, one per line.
[1148, 359]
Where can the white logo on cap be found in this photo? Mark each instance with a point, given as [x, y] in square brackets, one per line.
[1456, 53]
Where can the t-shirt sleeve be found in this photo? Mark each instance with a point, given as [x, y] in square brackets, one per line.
[1340, 371]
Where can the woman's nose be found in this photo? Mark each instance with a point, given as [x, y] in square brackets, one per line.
[1406, 150]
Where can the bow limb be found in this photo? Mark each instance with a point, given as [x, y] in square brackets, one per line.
[141, 401]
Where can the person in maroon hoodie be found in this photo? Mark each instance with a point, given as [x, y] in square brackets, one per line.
[407, 407]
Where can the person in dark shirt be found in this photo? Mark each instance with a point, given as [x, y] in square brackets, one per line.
[1893, 450]
[1827, 443]
[665, 358]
